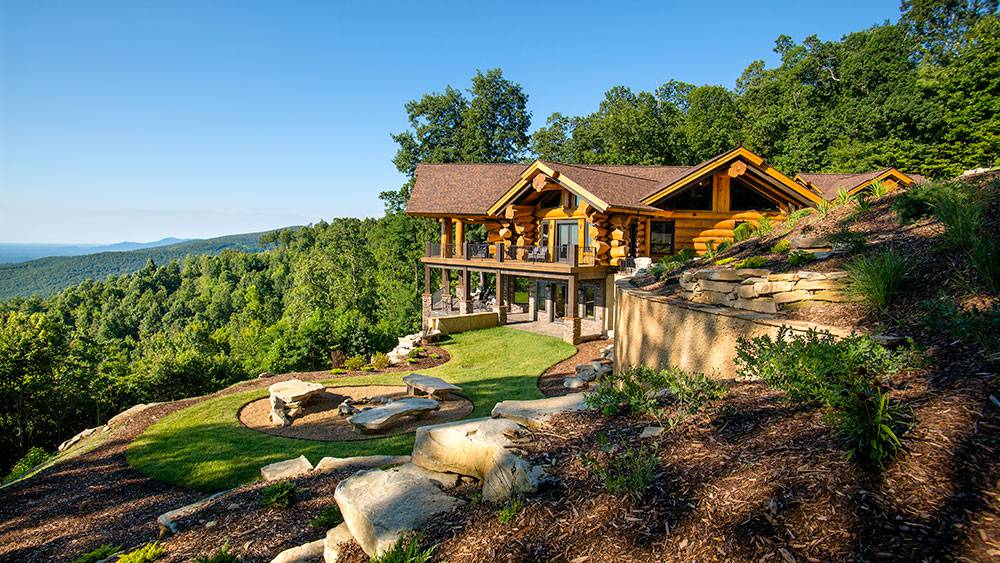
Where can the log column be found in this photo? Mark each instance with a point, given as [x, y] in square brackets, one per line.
[572, 331]
[501, 307]
[532, 300]
[464, 293]
[426, 300]
[446, 289]
[459, 238]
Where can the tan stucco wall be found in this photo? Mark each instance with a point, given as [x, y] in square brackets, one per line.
[660, 332]
[461, 323]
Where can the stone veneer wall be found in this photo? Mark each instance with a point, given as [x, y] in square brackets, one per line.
[462, 323]
[759, 290]
[663, 331]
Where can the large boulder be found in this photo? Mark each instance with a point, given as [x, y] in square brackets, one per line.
[288, 469]
[479, 448]
[287, 397]
[379, 507]
[336, 539]
[305, 553]
[536, 413]
[387, 416]
[332, 464]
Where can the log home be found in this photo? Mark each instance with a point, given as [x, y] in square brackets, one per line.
[550, 236]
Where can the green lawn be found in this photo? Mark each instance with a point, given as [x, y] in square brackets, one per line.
[205, 447]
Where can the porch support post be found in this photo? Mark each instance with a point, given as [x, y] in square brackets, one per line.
[550, 302]
[446, 250]
[532, 299]
[501, 307]
[446, 288]
[572, 333]
[426, 300]
[464, 293]
[459, 238]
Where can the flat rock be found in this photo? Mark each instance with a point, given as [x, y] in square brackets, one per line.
[295, 390]
[651, 431]
[387, 416]
[442, 480]
[305, 553]
[380, 507]
[288, 469]
[436, 387]
[536, 413]
[169, 522]
[336, 540]
[332, 464]
[586, 372]
[574, 383]
[479, 448]
[76, 439]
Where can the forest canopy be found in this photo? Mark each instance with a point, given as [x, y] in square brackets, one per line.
[922, 94]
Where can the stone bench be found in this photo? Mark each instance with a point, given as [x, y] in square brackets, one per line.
[434, 387]
[288, 397]
[384, 417]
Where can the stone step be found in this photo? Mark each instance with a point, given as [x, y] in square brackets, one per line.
[536, 413]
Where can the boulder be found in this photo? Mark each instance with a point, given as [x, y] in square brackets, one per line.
[288, 469]
[536, 413]
[76, 439]
[478, 448]
[266, 375]
[336, 539]
[718, 275]
[332, 464]
[574, 383]
[791, 296]
[288, 397]
[435, 387]
[586, 372]
[169, 522]
[305, 553]
[346, 408]
[602, 367]
[387, 416]
[379, 507]
[129, 412]
[442, 480]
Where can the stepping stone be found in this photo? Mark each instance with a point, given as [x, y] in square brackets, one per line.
[381, 418]
[331, 464]
[379, 507]
[536, 413]
[288, 469]
[436, 387]
[479, 448]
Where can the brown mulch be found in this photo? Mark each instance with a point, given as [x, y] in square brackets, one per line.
[97, 498]
[319, 420]
[550, 383]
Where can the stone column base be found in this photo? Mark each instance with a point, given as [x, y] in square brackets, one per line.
[533, 300]
[425, 314]
[464, 307]
[501, 312]
[572, 330]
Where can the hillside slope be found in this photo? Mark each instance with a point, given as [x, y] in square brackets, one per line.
[48, 275]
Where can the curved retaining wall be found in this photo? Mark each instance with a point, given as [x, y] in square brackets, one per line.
[660, 331]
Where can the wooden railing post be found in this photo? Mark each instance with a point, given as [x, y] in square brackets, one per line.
[499, 252]
[574, 256]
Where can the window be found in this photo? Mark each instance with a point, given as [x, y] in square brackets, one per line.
[661, 238]
[697, 198]
[543, 237]
[743, 197]
[588, 300]
[550, 199]
[586, 234]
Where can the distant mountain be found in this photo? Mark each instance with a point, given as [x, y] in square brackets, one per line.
[48, 275]
[12, 253]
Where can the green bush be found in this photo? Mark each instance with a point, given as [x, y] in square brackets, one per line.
[417, 352]
[877, 278]
[367, 368]
[750, 262]
[742, 232]
[823, 207]
[763, 226]
[915, 203]
[380, 361]
[338, 371]
[800, 258]
[220, 556]
[99, 554]
[327, 518]
[843, 198]
[281, 494]
[145, 554]
[510, 510]
[715, 249]
[434, 356]
[853, 241]
[623, 469]
[878, 188]
[724, 261]
[406, 550]
[984, 254]
[35, 457]
[412, 360]
[354, 363]
[794, 217]
[781, 247]
[634, 388]
[845, 376]
[977, 327]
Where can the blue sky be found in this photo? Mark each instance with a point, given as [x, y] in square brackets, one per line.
[135, 120]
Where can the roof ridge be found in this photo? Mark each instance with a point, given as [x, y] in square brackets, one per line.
[585, 167]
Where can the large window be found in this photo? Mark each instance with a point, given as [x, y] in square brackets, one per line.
[550, 199]
[743, 197]
[696, 198]
[588, 300]
[661, 238]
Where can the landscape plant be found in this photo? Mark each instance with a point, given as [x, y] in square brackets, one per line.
[35, 457]
[742, 232]
[750, 262]
[794, 217]
[622, 468]
[798, 258]
[99, 554]
[509, 511]
[763, 226]
[672, 262]
[282, 494]
[354, 363]
[222, 555]
[145, 554]
[878, 277]
[636, 389]
[878, 189]
[781, 247]
[380, 361]
[406, 550]
[327, 518]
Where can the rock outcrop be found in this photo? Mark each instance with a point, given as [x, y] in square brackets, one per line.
[305, 553]
[536, 413]
[287, 397]
[288, 469]
[336, 540]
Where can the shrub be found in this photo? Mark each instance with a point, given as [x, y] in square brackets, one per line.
[30, 460]
[961, 213]
[915, 203]
[623, 469]
[800, 257]
[781, 247]
[281, 494]
[878, 188]
[380, 361]
[877, 278]
[724, 261]
[145, 554]
[434, 356]
[510, 510]
[795, 216]
[327, 518]
[714, 249]
[99, 554]
[750, 262]
[220, 556]
[863, 202]
[851, 240]
[981, 328]
[354, 363]
[406, 550]
[845, 376]
[367, 368]
[338, 371]
[742, 232]
[763, 226]
[843, 198]
[984, 254]
[634, 388]
[823, 207]
[412, 360]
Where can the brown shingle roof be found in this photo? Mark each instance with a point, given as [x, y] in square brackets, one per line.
[829, 184]
[467, 189]
[619, 185]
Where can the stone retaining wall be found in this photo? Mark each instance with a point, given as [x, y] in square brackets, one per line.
[759, 290]
[462, 323]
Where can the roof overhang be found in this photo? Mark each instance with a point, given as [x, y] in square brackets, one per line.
[526, 183]
[785, 184]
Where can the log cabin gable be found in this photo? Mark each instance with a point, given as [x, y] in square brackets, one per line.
[540, 178]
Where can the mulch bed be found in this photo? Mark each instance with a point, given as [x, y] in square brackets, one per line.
[97, 498]
[550, 383]
[320, 420]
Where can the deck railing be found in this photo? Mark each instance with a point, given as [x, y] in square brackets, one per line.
[571, 254]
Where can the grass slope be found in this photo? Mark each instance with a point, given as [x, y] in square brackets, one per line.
[48, 275]
[205, 447]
